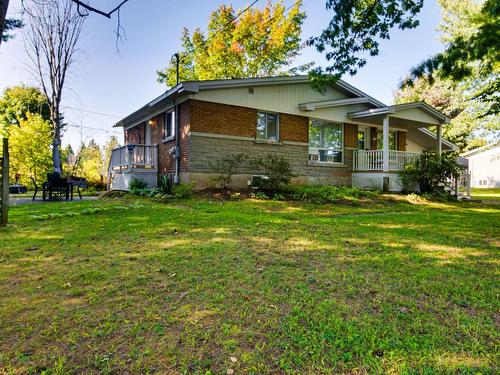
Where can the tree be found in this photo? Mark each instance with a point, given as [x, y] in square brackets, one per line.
[18, 101]
[93, 164]
[52, 33]
[354, 32]
[248, 43]
[472, 122]
[472, 51]
[29, 147]
[468, 129]
[7, 24]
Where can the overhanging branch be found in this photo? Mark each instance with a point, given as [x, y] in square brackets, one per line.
[95, 10]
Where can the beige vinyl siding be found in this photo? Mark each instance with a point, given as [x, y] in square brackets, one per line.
[282, 99]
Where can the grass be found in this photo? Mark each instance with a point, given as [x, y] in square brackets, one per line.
[381, 287]
[492, 194]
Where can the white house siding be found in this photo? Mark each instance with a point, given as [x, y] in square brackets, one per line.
[484, 167]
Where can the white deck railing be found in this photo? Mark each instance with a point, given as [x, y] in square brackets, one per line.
[134, 156]
[373, 160]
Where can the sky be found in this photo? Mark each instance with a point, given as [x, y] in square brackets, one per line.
[106, 85]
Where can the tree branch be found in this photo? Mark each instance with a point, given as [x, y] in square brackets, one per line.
[95, 10]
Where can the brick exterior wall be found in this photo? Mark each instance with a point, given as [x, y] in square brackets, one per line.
[166, 162]
[136, 135]
[294, 128]
[215, 118]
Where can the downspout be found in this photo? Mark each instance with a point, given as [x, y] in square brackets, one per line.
[177, 142]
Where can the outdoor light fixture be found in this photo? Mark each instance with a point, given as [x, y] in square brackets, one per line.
[152, 123]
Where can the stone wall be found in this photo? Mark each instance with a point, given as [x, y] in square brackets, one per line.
[207, 149]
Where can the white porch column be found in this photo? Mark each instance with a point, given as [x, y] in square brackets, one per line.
[385, 147]
[439, 136]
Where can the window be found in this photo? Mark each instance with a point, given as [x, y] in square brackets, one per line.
[325, 141]
[268, 126]
[393, 144]
[362, 140]
[169, 130]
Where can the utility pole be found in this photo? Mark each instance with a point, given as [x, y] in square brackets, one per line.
[177, 61]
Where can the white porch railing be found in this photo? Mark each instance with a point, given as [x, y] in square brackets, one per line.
[134, 156]
[373, 160]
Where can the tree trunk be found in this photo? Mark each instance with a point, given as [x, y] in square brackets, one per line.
[56, 142]
[4, 4]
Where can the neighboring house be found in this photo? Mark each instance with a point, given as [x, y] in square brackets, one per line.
[341, 136]
[484, 166]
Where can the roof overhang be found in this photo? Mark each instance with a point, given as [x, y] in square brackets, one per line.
[480, 149]
[312, 106]
[417, 114]
[193, 87]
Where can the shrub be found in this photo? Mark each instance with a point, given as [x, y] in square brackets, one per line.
[183, 191]
[225, 169]
[429, 172]
[137, 184]
[166, 184]
[278, 170]
[325, 193]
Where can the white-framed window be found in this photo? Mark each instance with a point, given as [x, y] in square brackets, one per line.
[169, 125]
[268, 125]
[326, 141]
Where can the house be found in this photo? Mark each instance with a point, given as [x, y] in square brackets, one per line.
[340, 136]
[484, 166]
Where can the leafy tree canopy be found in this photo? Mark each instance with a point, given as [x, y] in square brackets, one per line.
[29, 148]
[473, 122]
[253, 43]
[467, 129]
[10, 24]
[472, 51]
[355, 30]
[19, 101]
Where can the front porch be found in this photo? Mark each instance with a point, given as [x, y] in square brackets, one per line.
[379, 169]
[133, 161]
[373, 160]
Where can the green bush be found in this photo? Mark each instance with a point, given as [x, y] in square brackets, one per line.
[137, 184]
[277, 168]
[183, 191]
[224, 169]
[166, 184]
[325, 193]
[429, 172]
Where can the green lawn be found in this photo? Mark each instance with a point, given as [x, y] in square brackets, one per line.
[486, 194]
[132, 286]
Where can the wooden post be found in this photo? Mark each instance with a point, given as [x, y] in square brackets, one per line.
[4, 202]
[385, 148]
